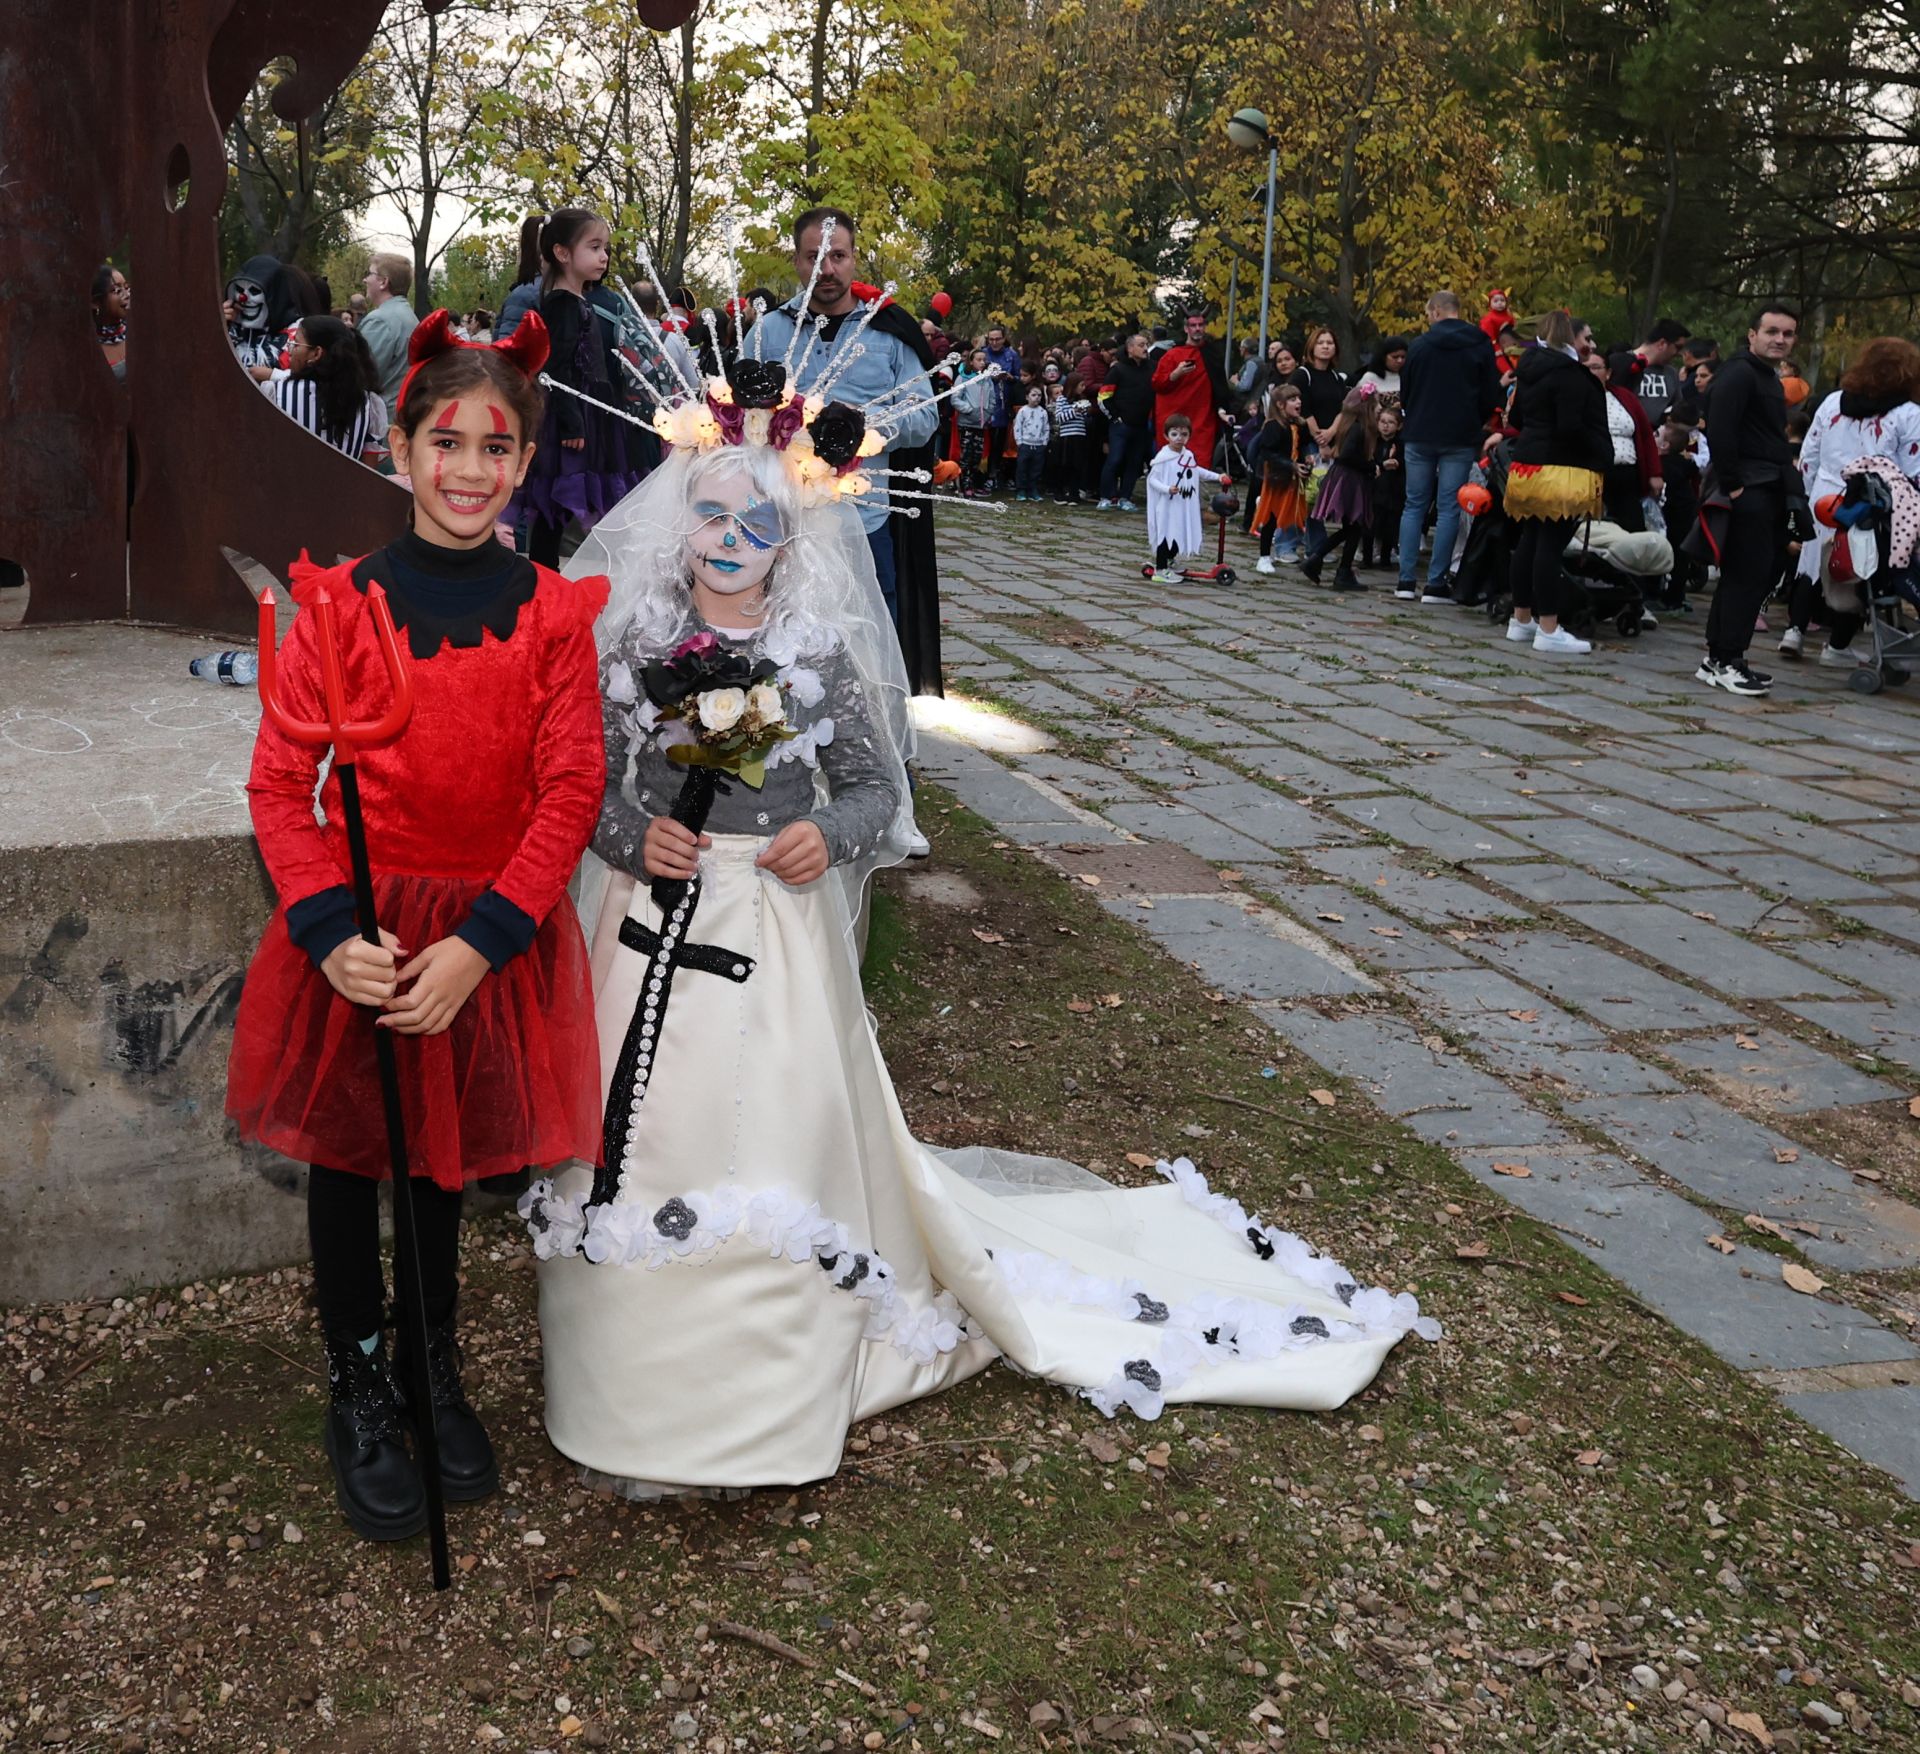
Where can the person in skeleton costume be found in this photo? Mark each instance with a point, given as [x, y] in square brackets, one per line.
[768, 1254]
[262, 304]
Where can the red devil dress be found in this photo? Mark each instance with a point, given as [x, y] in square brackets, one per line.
[477, 813]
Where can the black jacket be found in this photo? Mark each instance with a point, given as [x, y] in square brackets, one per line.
[1560, 409]
[1747, 425]
[1132, 398]
[1450, 386]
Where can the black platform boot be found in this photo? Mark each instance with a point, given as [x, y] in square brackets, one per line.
[374, 1477]
[467, 1466]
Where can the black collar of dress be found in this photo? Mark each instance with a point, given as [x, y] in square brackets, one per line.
[450, 596]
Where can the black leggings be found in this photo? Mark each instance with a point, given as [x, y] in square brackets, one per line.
[1806, 603]
[1537, 555]
[343, 1226]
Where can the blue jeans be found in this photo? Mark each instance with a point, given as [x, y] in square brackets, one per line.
[1126, 456]
[1449, 466]
[881, 542]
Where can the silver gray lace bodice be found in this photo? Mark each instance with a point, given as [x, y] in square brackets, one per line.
[852, 794]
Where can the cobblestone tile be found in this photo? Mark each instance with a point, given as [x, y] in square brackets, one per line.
[1715, 957]
[1778, 1072]
[1618, 994]
[1414, 822]
[1732, 1161]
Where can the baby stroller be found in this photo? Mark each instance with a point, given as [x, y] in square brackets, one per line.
[1604, 578]
[1882, 592]
[1488, 555]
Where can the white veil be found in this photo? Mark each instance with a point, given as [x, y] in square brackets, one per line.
[823, 596]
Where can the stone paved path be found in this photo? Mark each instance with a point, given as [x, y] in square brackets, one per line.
[1584, 915]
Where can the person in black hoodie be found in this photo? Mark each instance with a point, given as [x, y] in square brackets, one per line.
[1450, 389]
[1559, 459]
[1752, 467]
[1129, 412]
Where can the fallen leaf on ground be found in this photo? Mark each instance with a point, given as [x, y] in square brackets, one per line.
[1717, 1241]
[1101, 1447]
[1572, 1297]
[1110, 1000]
[1323, 1097]
[1089, 879]
[1387, 932]
[1527, 1016]
[988, 937]
[1338, 919]
[1233, 877]
[1142, 1159]
[1753, 1723]
[1471, 1251]
[1913, 1107]
[1746, 1044]
[1785, 1154]
[1522, 1423]
[1753, 1221]
[1514, 1169]
[1799, 1279]
[1868, 1175]
[1371, 1434]
[1588, 1458]
[1080, 1005]
[1158, 1456]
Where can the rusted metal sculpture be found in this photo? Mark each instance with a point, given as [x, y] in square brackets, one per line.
[114, 117]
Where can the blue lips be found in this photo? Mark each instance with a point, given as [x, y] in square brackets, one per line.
[724, 565]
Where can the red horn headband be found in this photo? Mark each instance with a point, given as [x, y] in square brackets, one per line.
[526, 348]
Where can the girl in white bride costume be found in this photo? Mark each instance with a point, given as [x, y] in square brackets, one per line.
[772, 1255]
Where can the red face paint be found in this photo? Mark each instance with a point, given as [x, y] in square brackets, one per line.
[499, 477]
[499, 421]
[452, 414]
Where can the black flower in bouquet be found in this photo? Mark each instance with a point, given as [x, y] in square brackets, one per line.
[836, 432]
[698, 666]
[757, 383]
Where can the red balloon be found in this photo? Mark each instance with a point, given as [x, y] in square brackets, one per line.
[1825, 506]
[941, 304]
[1474, 498]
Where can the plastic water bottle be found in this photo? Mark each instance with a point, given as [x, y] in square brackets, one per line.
[236, 669]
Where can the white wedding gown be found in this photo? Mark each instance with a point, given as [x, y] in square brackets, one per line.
[784, 1258]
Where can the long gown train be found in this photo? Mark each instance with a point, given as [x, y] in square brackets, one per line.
[785, 1258]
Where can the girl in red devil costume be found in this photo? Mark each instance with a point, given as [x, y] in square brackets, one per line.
[477, 813]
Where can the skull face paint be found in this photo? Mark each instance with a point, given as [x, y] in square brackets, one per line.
[736, 536]
[249, 301]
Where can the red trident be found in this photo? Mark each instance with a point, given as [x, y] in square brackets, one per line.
[345, 737]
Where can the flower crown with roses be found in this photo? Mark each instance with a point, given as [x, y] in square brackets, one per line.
[825, 442]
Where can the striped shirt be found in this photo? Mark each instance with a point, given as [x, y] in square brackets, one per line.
[299, 400]
[1070, 418]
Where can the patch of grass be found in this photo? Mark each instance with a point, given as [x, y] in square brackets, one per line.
[1414, 1568]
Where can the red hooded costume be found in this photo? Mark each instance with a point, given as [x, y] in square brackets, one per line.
[1496, 322]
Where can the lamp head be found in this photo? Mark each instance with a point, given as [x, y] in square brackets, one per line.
[1247, 129]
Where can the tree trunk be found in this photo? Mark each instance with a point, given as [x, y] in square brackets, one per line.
[1657, 268]
[676, 266]
[816, 99]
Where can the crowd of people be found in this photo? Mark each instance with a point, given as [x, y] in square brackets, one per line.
[1701, 467]
[1330, 461]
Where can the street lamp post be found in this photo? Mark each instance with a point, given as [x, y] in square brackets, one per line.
[1248, 130]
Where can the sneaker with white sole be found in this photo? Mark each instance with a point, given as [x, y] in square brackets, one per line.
[918, 846]
[1560, 641]
[1735, 678]
[1106, 505]
[1440, 593]
[1264, 563]
[1519, 630]
[1407, 593]
[1792, 643]
[1835, 657]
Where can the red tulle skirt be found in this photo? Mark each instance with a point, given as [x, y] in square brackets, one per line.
[514, 1081]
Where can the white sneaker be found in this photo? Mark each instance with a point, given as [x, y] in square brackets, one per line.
[1519, 630]
[1560, 641]
[1648, 620]
[1292, 559]
[1407, 593]
[1791, 643]
[1835, 657]
[918, 846]
[1264, 563]
[1106, 505]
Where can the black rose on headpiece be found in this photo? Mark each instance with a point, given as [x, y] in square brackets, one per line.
[757, 383]
[837, 431]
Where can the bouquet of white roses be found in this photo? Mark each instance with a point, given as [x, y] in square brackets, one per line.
[717, 709]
